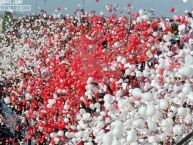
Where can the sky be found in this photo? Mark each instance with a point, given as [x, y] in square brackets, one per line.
[161, 7]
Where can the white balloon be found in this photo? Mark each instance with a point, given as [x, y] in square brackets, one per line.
[177, 130]
[163, 137]
[60, 133]
[188, 60]
[145, 17]
[27, 96]
[53, 101]
[186, 89]
[181, 111]
[139, 123]
[108, 98]
[119, 58]
[155, 34]
[186, 71]
[152, 139]
[141, 12]
[136, 92]
[165, 123]
[118, 94]
[164, 104]
[170, 121]
[53, 135]
[142, 110]
[89, 87]
[185, 1]
[115, 141]
[56, 140]
[108, 106]
[117, 127]
[151, 110]
[151, 125]
[134, 143]
[190, 96]
[147, 86]
[167, 38]
[147, 96]
[89, 143]
[123, 61]
[86, 116]
[101, 13]
[49, 105]
[181, 27]
[117, 44]
[90, 80]
[149, 54]
[7, 100]
[131, 136]
[139, 19]
[108, 138]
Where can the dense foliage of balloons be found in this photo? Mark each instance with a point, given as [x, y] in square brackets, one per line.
[100, 80]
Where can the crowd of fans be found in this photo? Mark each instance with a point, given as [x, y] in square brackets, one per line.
[90, 79]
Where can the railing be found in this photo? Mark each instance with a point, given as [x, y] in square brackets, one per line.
[186, 139]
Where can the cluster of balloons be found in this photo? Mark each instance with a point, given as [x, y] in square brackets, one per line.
[100, 80]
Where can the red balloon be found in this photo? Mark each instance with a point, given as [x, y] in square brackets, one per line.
[172, 9]
[129, 5]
